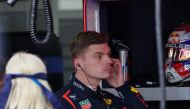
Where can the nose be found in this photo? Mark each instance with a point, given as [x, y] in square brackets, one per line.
[109, 60]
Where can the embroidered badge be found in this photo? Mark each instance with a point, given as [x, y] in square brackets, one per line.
[134, 90]
[85, 104]
[108, 101]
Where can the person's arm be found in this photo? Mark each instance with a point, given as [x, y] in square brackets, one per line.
[130, 95]
[116, 77]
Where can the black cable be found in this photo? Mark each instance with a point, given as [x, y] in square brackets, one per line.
[49, 22]
[93, 88]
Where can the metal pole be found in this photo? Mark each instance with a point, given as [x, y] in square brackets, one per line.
[160, 53]
[123, 54]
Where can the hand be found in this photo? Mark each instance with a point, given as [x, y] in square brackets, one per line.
[116, 77]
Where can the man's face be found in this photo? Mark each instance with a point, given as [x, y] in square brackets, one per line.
[96, 61]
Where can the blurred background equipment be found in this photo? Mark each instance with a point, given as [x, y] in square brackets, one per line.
[33, 17]
[48, 50]
[122, 50]
[50, 53]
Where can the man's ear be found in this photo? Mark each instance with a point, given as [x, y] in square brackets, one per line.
[76, 62]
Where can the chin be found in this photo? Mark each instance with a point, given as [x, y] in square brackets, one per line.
[106, 75]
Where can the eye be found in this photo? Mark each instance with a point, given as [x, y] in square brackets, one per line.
[99, 57]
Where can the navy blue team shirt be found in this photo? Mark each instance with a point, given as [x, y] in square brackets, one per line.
[76, 95]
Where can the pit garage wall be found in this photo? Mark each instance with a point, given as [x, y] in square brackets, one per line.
[150, 94]
[92, 15]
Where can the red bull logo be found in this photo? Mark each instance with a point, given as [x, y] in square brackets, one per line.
[174, 37]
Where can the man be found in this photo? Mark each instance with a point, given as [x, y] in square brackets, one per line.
[92, 63]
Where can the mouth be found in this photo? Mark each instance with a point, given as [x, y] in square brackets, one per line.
[108, 69]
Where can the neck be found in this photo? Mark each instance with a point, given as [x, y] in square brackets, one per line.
[86, 80]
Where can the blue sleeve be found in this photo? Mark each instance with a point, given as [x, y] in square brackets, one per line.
[67, 105]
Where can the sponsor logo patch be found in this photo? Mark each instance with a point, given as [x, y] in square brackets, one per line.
[108, 101]
[85, 104]
[134, 90]
[78, 85]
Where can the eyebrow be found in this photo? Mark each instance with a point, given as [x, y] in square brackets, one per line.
[96, 53]
[101, 53]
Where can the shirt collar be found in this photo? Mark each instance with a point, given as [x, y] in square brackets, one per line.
[79, 86]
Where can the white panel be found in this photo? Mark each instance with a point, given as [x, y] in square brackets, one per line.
[154, 94]
[69, 5]
[172, 93]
